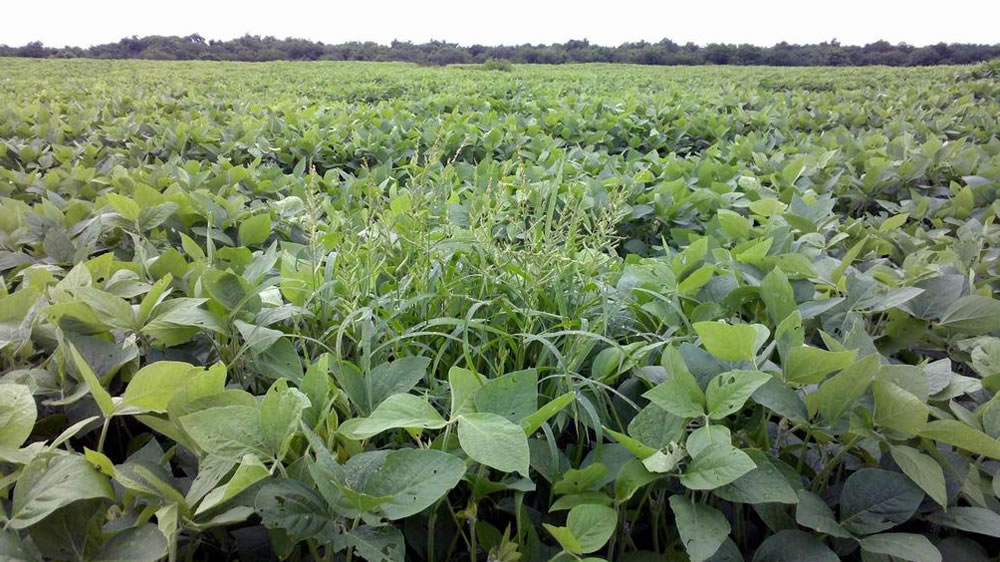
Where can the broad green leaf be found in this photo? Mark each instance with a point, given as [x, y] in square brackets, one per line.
[296, 509]
[923, 470]
[565, 538]
[48, 484]
[897, 409]
[764, 484]
[17, 414]
[255, 229]
[970, 519]
[973, 315]
[727, 392]
[463, 384]
[874, 500]
[280, 415]
[377, 544]
[812, 512]
[655, 427]
[592, 525]
[702, 529]
[962, 436]
[127, 208]
[841, 392]
[631, 478]
[810, 365]
[513, 396]
[230, 432]
[494, 441]
[716, 465]
[781, 400]
[396, 377]
[316, 386]
[778, 296]
[249, 472]
[680, 394]
[153, 386]
[707, 435]
[112, 310]
[396, 411]
[136, 544]
[902, 546]
[793, 546]
[415, 479]
[730, 342]
[579, 479]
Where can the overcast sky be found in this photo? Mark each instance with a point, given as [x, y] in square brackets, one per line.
[763, 22]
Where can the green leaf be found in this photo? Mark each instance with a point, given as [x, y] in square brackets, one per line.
[127, 208]
[578, 480]
[136, 544]
[812, 512]
[100, 394]
[48, 484]
[230, 432]
[396, 377]
[781, 400]
[841, 392]
[973, 315]
[730, 342]
[778, 295]
[296, 509]
[152, 386]
[764, 484]
[377, 544]
[902, 546]
[415, 479]
[702, 529]
[631, 478]
[592, 525]
[716, 465]
[727, 392]
[17, 415]
[494, 441]
[112, 310]
[280, 415]
[396, 411]
[897, 409]
[923, 470]
[255, 229]
[249, 472]
[793, 546]
[565, 538]
[970, 519]
[874, 500]
[680, 394]
[733, 224]
[463, 385]
[707, 435]
[810, 365]
[962, 436]
[513, 396]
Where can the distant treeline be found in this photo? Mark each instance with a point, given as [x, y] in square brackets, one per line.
[665, 52]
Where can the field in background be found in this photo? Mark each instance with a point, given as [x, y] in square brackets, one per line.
[334, 311]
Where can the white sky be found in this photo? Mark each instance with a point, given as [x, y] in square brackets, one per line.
[763, 22]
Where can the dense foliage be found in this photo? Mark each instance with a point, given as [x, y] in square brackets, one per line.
[345, 311]
[664, 52]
